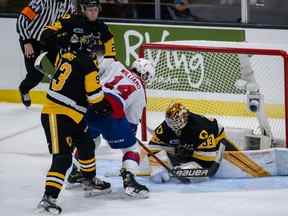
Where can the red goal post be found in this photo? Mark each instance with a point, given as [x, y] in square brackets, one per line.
[222, 47]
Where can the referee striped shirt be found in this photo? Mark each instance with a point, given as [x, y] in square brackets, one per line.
[38, 14]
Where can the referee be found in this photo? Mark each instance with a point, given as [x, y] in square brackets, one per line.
[30, 23]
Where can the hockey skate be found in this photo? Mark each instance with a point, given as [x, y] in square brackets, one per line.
[95, 187]
[132, 187]
[48, 206]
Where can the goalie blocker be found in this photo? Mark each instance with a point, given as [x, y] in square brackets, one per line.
[190, 144]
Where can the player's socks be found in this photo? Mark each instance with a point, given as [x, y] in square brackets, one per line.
[132, 187]
[48, 206]
[95, 187]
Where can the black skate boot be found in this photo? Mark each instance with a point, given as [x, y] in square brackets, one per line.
[132, 187]
[95, 187]
[48, 206]
[74, 179]
[26, 100]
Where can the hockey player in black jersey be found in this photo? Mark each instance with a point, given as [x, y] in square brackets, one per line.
[185, 140]
[74, 88]
[84, 23]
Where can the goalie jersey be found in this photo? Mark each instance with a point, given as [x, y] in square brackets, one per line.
[199, 141]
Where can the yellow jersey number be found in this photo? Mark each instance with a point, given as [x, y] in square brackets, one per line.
[58, 84]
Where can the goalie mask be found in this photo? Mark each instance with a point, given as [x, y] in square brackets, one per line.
[144, 69]
[176, 116]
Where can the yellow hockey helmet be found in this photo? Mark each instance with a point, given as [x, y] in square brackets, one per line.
[176, 116]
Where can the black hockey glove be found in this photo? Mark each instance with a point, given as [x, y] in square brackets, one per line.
[103, 108]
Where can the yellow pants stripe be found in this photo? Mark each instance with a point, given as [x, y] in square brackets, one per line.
[90, 161]
[53, 184]
[54, 133]
[59, 175]
[247, 165]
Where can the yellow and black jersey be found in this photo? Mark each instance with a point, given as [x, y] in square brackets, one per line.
[74, 86]
[79, 25]
[201, 137]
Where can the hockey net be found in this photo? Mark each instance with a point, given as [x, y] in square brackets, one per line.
[221, 80]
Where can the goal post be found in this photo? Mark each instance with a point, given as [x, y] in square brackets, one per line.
[243, 85]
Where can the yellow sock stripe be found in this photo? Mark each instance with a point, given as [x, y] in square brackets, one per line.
[88, 169]
[54, 133]
[245, 164]
[59, 175]
[54, 184]
[87, 161]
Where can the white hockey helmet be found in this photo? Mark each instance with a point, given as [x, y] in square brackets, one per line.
[145, 69]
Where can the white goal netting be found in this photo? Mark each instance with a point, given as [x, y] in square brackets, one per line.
[220, 79]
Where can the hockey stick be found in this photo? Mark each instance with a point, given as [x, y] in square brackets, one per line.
[172, 172]
[44, 66]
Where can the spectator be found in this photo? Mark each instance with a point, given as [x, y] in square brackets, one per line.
[183, 10]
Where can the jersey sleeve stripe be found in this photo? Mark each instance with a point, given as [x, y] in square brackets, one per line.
[94, 92]
[110, 48]
[96, 97]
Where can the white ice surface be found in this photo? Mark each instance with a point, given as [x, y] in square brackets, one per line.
[24, 162]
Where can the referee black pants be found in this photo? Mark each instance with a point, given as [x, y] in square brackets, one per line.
[33, 76]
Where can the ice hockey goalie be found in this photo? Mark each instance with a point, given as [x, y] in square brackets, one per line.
[187, 142]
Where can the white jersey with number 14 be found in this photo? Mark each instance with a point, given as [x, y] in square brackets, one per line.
[128, 86]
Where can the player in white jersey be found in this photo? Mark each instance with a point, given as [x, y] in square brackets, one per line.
[127, 84]
[124, 90]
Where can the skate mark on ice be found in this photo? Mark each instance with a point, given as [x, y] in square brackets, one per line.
[19, 133]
